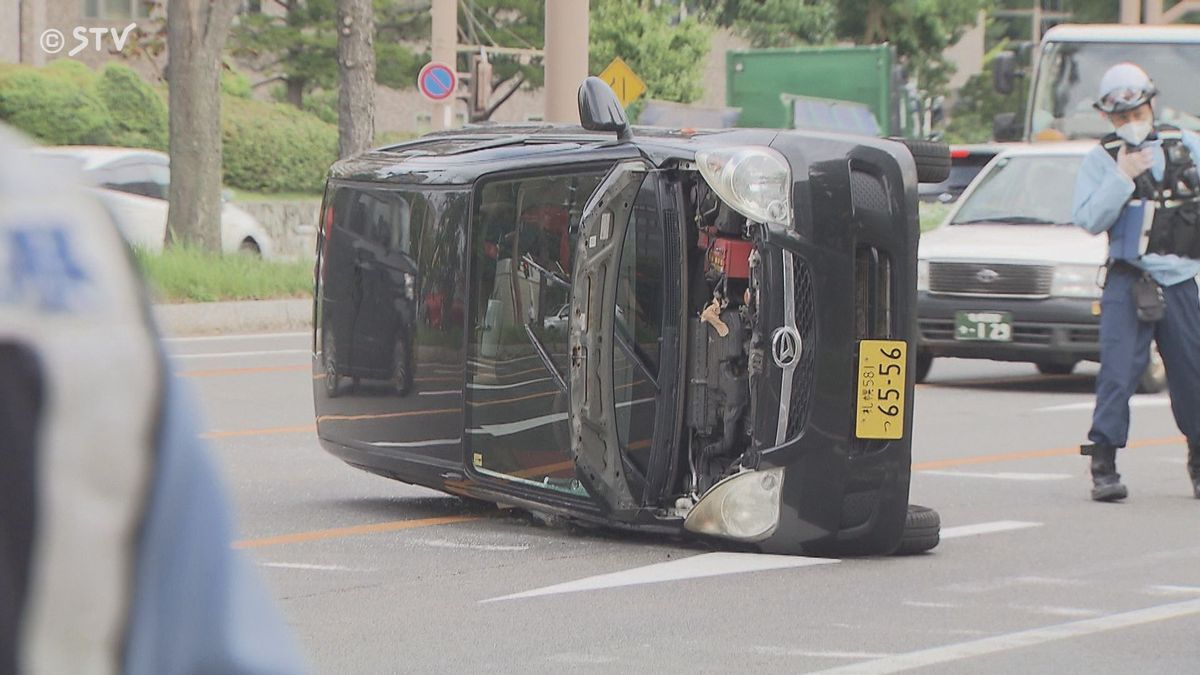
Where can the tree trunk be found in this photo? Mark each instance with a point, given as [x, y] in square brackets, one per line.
[295, 91]
[196, 33]
[356, 76]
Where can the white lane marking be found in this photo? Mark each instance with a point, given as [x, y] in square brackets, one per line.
[247, 336]
[509, 428]
[790, 651]
[1003, 475]
[223, 355]
[507, 386]
[446, 392]
[985, 528]
[1065, 612]
[931, 605]
[1155, 401]
[1167, 589]
[415, 444]
[695, 567]
[305, 566]
[1021, 639]
[443, 543]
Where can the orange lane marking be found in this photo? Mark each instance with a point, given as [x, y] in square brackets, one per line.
[437, 379]
[310, 429]
[221, 372]
[317, 535]
[499, 401]
[543, 470]
[1031, 454]
[385, 416]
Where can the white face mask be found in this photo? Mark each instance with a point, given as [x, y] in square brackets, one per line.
[1134, 133]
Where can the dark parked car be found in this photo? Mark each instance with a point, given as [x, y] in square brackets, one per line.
[708, 332]
[966, 161]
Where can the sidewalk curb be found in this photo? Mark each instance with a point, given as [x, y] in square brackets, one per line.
[242, 316]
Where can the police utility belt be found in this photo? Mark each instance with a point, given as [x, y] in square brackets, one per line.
[1162, 217]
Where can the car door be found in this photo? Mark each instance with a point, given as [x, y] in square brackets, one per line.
[137, 197]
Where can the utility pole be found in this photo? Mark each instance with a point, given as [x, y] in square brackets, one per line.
[1131, 11]
[566, 57]
[445, 50]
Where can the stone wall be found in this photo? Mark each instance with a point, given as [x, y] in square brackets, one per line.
[292, 225]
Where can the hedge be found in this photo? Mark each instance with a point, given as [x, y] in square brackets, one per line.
[267, 147]
[57, 104]
[273, 147]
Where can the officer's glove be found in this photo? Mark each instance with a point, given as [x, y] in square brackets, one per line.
[1135, 163]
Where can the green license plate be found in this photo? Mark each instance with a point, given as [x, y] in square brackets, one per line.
[983, 325]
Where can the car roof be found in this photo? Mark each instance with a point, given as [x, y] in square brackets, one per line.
[1122, 33]
[94, 156]
[1058, 148]
[461, 155]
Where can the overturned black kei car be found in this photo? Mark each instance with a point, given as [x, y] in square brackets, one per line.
[668, 330]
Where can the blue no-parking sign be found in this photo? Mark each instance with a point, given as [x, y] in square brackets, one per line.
[437, 81]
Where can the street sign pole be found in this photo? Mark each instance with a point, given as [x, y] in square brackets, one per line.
[444, 48]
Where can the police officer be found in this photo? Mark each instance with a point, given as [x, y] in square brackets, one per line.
[1140, 187]
[114, 533]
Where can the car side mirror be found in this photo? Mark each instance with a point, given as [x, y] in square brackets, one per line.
[599, 109]
[1004, 127]
[1004, 72]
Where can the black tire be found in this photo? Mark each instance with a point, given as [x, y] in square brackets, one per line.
[329, 359]
[402, 370]
[1154, 380]
[932, 158]
[1056, 368]
[922, 530]
[924, 363]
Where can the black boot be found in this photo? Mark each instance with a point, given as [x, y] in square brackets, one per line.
[1194, 467]
[1106, 482]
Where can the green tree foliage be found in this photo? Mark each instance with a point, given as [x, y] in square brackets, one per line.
[301, 44]
[667, 57]
[774, 23]
[921, 30]
[979, 103]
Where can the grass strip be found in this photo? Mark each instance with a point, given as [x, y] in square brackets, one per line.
[192, 275]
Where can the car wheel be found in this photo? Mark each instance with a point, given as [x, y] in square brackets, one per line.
[932, 159]
[1154, 379]
[402, 375]
[924, 363]
[1056, 368]
[922, 530]
[250, 247]
[329, 358]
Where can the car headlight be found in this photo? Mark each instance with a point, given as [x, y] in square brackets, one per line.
[922, 275]
[1076, 281]
[743, 507]
[755, 181]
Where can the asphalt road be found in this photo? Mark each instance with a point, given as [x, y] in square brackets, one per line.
[1031, 576]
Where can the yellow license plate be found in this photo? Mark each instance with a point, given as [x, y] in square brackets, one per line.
[881, 368]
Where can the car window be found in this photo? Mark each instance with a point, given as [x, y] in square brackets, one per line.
[639, 321]
[134, 176]
[1023, 189]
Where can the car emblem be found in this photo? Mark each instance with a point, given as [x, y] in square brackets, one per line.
[786, 347]
[987, 276]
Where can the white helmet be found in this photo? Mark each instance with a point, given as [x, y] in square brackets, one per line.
[1124, 87]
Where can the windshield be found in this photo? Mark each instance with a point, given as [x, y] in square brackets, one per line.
[1070, 74]
[1023, 190]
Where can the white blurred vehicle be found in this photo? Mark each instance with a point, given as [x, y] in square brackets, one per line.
[1009, 277]
[133, 183]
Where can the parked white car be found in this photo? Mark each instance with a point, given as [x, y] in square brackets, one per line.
[133, 183]
[1009, 277]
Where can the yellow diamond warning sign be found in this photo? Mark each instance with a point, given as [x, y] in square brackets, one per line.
[627, 85]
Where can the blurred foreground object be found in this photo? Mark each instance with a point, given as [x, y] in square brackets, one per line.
[114, 534]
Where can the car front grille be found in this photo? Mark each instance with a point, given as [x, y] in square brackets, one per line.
[806, 326]
[990, 279]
